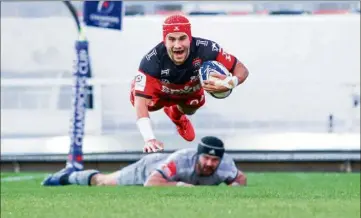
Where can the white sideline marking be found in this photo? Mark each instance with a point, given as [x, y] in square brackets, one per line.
[21, 178]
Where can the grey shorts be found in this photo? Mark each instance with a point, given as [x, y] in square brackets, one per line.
[137, 173]
[131, 174]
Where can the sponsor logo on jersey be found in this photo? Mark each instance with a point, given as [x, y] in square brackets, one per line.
[164, 72]
[185, 91]
[201, 42]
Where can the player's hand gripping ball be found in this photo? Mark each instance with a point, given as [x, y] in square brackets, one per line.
[216, 79]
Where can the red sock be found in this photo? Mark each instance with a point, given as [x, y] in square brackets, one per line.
[176, 113]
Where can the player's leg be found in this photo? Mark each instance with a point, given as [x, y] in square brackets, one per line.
[177, 113]
[128, 176]
[104, 179]
[69, 176]
[85, 178]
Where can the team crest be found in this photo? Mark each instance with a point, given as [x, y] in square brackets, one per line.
[196, 62]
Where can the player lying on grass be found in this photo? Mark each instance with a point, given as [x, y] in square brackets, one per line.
[206, 165]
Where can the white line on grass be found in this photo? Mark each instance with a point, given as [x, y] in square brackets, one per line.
[21, 178]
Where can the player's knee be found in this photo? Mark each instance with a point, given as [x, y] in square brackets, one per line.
[102, 180]
[97, 180]
[187, 110]
[154, 108]
[190, 112]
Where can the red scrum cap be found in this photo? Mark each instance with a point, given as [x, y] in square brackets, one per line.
[177, 23]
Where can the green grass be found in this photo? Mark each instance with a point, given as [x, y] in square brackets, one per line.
[268, 195]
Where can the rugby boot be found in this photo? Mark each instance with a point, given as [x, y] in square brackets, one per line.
[55, 179]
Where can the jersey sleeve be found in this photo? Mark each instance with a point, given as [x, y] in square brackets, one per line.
[214, 52]
[171, 168]
[146, 82]
[228, 170]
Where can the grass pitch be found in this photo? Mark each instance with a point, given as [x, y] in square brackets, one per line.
[268, 195]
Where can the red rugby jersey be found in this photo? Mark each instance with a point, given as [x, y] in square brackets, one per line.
[159, 77]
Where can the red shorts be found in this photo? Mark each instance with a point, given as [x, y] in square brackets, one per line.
[195, 100]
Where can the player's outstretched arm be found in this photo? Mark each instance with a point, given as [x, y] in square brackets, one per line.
[157, 179]
[145, 126]
[141, 108]
[239, 72]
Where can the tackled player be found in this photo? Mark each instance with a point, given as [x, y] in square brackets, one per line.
[206, 165]
[168, 78]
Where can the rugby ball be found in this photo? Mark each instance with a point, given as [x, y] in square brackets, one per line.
[205, 71]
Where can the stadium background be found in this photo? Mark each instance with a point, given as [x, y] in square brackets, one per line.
[300, 103]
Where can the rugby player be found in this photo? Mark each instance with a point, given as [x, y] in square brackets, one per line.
[168, 78]
[206, 165]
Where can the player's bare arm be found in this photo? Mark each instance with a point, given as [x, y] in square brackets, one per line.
[144, 124]
[143, 121]
[142, 95]
[234, 66]
[241, 72]
[141, 107]
[240, 180]
[157, 179]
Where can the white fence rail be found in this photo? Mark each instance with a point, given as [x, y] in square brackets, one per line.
[42, 107]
